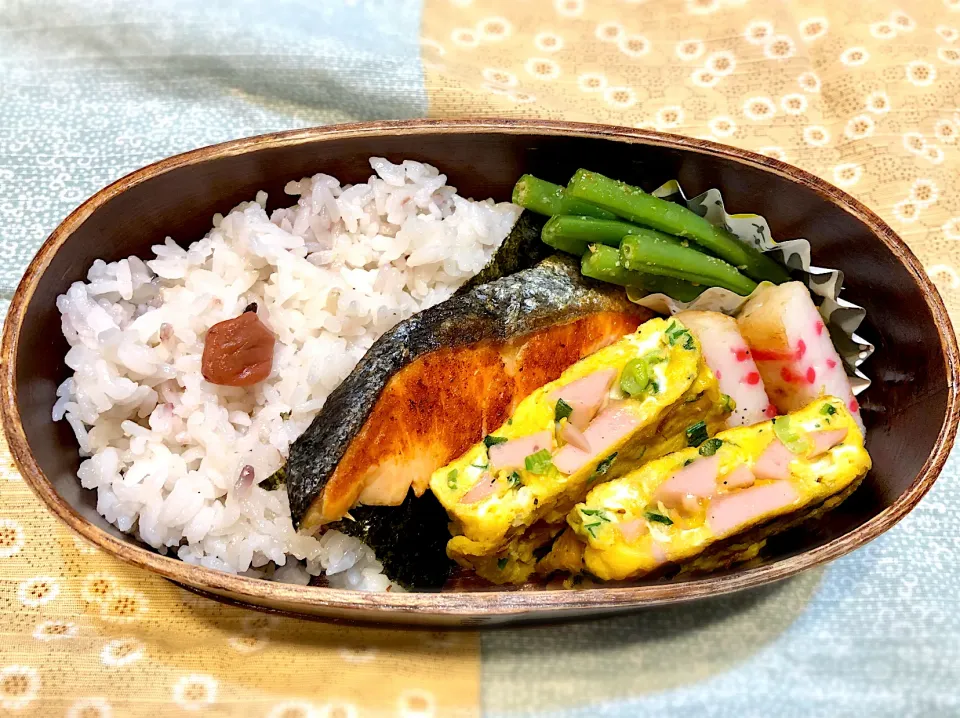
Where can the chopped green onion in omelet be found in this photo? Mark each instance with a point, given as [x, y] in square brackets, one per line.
[696, 433]
[562, 410]
[709, 447]
[538, 463]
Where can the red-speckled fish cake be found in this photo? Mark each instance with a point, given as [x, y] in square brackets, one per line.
[792, 349]
[727, 354]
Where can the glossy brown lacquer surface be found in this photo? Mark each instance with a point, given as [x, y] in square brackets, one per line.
[911, 410]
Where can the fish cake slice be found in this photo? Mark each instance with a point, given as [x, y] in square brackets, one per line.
[727, 354]
[793, 350]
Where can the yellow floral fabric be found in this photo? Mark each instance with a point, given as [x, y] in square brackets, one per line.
[86, 636]
[863, 93]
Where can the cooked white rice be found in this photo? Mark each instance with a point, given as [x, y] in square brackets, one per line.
[330, 275]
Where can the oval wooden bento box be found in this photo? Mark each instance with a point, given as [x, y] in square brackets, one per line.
[911, 409]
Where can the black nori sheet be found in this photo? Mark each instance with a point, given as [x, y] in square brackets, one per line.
[521, 249]
[410, 540]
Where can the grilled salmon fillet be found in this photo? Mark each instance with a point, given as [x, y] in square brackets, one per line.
[439, 406]
[438, 382]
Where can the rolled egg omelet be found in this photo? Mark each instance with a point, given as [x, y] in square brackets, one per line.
[672, 509]
[646, 395]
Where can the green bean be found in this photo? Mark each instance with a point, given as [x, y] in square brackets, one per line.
[603, 263]
[635, 205]
[573, 234]
[550, 199]
[587, 230]
[651, 254]
[554, 235]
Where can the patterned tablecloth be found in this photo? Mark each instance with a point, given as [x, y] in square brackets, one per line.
[865, 94]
